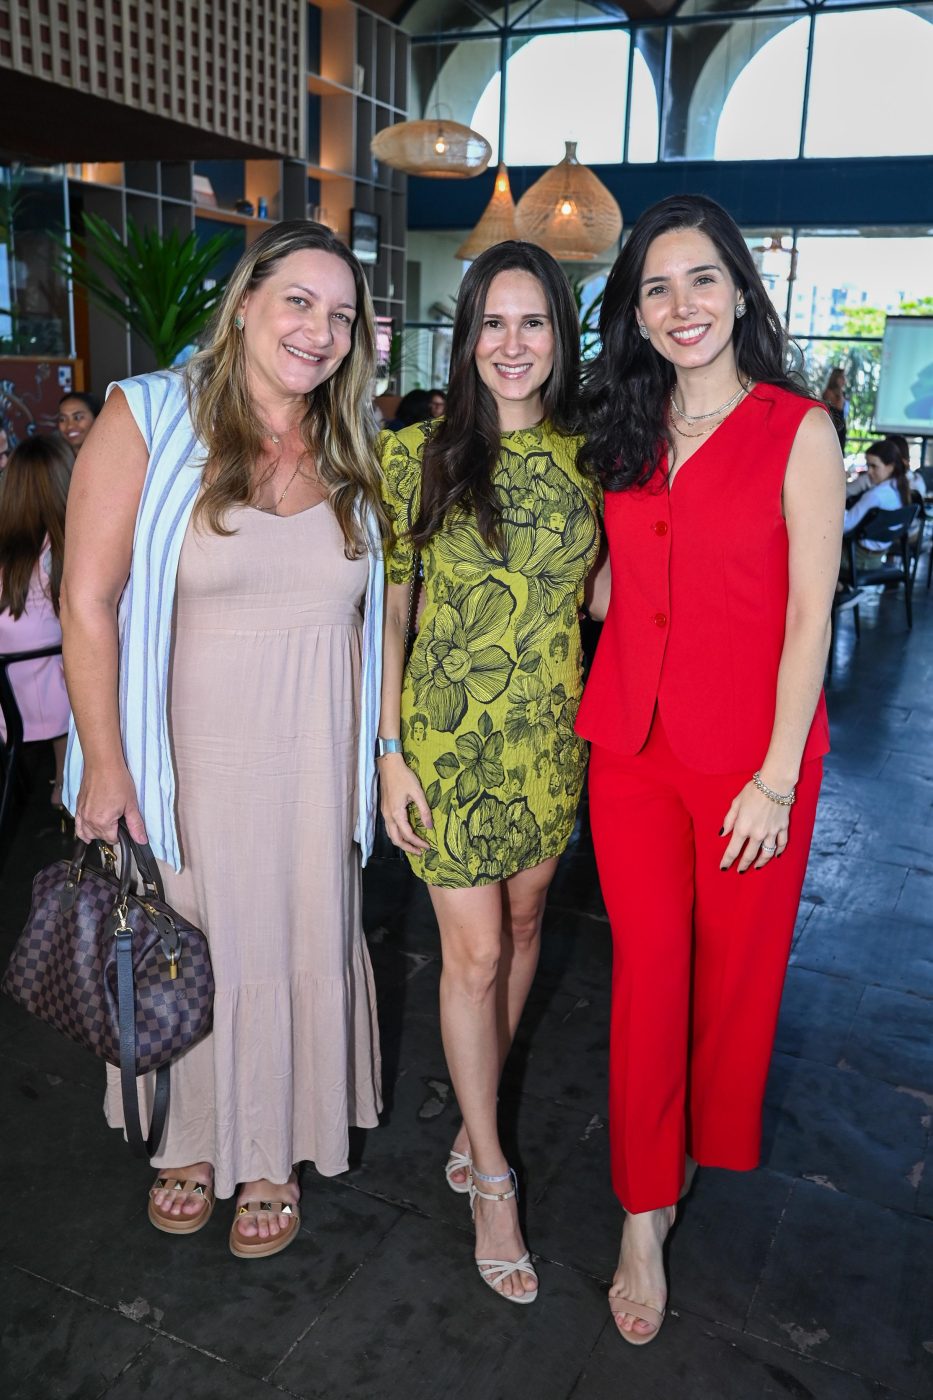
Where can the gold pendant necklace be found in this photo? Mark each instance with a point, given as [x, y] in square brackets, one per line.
[701, 434]
[721, 411]
[272, 510]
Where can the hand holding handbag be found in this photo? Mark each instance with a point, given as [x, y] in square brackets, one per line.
[121, 973]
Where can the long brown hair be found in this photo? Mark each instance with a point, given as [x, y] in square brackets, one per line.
[887, 451]
[461, 454]
[833, 387]
[627, 387]
[32, 510]
[338, 429]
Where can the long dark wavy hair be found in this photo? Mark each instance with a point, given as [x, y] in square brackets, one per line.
[32, 511]
[887, 451]
[627, 386]
[461, 453]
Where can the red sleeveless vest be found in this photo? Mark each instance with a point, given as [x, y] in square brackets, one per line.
[699, 597]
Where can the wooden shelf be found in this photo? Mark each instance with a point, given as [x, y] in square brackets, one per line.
[228, 216]
[327, 87]
[321, 172]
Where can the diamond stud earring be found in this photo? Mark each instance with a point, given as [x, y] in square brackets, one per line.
[740, 310]
[644, 332]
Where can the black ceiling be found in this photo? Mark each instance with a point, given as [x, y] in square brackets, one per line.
[47, 123]
[396, 10]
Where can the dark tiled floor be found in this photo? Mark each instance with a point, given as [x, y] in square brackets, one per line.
[811, 1279]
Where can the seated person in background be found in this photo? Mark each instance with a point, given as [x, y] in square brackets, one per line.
[32, 544]
[76, 413]
[889, 490]
[414, 407]
[915, 479]
[437, 403]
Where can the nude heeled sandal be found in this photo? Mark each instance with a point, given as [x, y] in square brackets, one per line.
[496, 1271]
[643, 1311]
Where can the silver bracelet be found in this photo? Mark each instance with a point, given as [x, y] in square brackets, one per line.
[783, 799]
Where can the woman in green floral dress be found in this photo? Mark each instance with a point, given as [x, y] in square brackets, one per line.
[479, 765]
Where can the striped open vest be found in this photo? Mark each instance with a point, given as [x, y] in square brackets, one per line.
[159, 405]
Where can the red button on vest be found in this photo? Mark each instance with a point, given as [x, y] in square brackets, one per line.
[660, 527]
[660, 619]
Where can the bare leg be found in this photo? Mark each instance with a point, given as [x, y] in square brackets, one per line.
[523, 898]
[470, 923]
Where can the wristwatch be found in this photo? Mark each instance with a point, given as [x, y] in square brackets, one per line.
[384, 746]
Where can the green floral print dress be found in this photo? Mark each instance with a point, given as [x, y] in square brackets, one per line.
[493, 683]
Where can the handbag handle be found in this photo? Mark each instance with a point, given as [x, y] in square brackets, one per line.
[139, 854]
[142, 858]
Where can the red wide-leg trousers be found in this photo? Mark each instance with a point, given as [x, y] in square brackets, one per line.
[699, 957]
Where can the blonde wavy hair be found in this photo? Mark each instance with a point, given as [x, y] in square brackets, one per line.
[338, 429]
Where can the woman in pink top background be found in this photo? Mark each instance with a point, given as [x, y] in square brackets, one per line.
[32, 542]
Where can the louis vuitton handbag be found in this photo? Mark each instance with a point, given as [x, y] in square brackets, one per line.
[120, 972]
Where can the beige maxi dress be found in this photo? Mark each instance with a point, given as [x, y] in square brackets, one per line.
[264, 708]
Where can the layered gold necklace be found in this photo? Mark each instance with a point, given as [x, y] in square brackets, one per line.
[711, 420]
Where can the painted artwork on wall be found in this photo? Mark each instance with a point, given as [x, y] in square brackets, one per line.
[30, 389]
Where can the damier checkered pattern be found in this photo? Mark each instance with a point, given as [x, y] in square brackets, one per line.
[63, 969]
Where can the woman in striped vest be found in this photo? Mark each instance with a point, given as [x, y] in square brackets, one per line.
[221, 610]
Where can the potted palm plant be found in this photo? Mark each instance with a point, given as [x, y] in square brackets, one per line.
[160, 286]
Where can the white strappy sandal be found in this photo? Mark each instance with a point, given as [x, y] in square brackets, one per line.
[458, 1162]
[494, 1271]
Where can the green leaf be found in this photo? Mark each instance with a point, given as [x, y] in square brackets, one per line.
[530, 661]
[447, 765]
[433, 795]
[467, 785]
[485, 725]
[469, 747]
[494, 746]
[456, 835]
[452, 877]
[154, 284]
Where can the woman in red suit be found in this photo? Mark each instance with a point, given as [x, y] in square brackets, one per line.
[724, 494]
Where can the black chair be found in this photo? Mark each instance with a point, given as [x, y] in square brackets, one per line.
[919, 540]
[891, 528]
[11, 748]
[847, 601]
[927, 475]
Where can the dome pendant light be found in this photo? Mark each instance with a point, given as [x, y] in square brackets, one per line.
[439, 148]
[497, 222]
[569, 212]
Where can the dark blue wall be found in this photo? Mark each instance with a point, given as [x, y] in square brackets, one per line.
[844, 193]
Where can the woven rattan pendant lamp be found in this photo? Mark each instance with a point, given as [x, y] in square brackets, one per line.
[569, 212]
[497, 222]
[440, 148]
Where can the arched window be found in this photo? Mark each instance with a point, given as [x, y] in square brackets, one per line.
[570, 87]
[870, 91]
